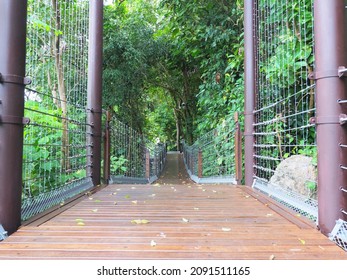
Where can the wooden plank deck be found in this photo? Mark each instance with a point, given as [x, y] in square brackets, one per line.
[182, 220]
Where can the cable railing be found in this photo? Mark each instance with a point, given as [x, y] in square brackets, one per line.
[55, 140]
[215, 157]
[132, 158]
[285, 152]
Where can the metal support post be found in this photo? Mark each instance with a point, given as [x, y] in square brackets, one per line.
[148, 164]
[13, 21]
[94, 103]
[238, 150]
[200, 163]
[107, 149]
[331, 55]
[249, 89]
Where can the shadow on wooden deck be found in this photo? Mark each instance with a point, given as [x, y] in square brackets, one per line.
[172, 219]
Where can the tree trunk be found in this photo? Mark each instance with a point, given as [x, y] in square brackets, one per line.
[58, 56]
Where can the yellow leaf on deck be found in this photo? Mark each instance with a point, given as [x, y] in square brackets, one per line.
[134, 201]
[302, 241]
[139, 222]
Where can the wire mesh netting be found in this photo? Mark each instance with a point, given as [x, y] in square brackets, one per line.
[54, 163]
[285, 138]
[339, 234]
[133, 157]
[212, 156]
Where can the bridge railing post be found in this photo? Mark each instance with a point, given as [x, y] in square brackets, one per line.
[13, 22]
[200, 164]
[238, 149]
[147, 164]
[94, 96]
[330, 35]
[250, 88]
[107, 148]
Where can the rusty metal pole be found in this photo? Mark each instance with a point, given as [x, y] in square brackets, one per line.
[13, 18]
[238, 149]
[249, 89]
[107, 149]
[147, 164]
[94, 103]
[331, 55]
[200, 166]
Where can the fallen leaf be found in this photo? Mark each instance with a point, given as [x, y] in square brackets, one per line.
[156, 185]
[269, 215]
[133, 188]
[114, 193]
[90, 198]
[79, 220]
[95, 210]
[153, 243]
[302, 241]
[127, 196]
[134, 201]
[81, 224]
[272, 257]
[139, 222]
[196, 208]
[97, 200]
[214, 191]
[185, 220]
[115, 203]
[247, 196]
[162, 234]
[152, 195]
[203, 190]
[118, 189]
[226, 229]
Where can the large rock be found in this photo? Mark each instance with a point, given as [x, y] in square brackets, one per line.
[296, 173]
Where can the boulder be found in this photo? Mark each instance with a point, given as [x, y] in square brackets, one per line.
[296, 173]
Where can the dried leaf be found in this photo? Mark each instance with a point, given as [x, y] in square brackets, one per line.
[226, 229]
[196, 208]
[214, 191]
[247, 196]
[81, 224]
[269, 215]
[114, 193]
[79, 220]
[133, 188]
[139, 222]
[203, 190]
[156, 185]
[134, 201]
[153, 243]
[115, 203]
[272, 257]
[162, 234]
[90, 198]
[185, 220]
[95, 210]
[303, 242]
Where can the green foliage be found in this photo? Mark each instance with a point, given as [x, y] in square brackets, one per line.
[42, 151]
